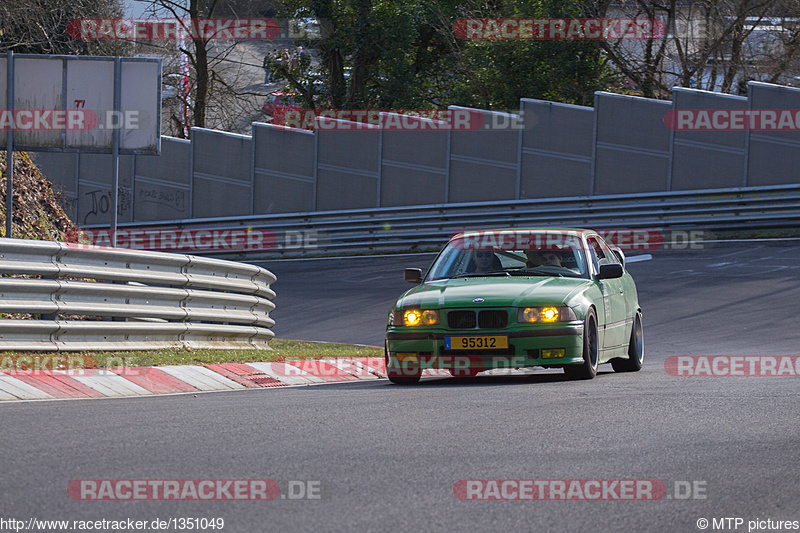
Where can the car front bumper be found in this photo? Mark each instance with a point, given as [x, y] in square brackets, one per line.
[539, 345]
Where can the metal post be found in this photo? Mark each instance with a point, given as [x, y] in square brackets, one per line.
[448, 154]
[747, 137]
[253, 138]
[316, 168]
[671, 160]
[380, 167]
[115, 151]
[10, 148]
[593, 171]
[520, 145]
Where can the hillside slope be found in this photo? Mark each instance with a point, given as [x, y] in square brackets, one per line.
[37, 214]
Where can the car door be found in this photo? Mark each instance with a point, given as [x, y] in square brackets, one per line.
[628, 288]
[613, 331]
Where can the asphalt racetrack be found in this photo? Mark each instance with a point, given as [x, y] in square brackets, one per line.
[377, 457]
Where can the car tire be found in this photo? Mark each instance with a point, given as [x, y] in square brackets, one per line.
[464, 372]
[404, 380]
[401, 376]
[591, 351]
[635, 358]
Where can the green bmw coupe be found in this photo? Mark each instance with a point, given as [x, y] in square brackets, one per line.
[502, 299]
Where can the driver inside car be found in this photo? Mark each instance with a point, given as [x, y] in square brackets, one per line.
[543, 258]
[483, 262]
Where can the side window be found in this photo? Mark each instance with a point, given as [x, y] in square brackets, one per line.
[609, 253]
[596, 253]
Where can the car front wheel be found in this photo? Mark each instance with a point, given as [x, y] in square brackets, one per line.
[402, 374]
[404, 379]
[588, 369]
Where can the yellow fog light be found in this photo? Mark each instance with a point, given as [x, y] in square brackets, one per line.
[553, 354]
[418, 317]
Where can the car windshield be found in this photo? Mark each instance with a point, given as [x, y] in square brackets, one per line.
[514, 253]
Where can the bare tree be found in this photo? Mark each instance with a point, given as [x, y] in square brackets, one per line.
[40, 27]
[707, 44]
[217, 70]
[197, 52]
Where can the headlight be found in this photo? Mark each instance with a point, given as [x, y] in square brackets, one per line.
[416, 317]
[547, 314]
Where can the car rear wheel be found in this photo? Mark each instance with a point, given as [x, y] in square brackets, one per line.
[588, 369]
[635, 358]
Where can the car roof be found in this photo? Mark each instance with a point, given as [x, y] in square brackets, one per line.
[581, 231]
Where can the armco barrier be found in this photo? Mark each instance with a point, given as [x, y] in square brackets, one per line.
[408, 228]
[94, 298]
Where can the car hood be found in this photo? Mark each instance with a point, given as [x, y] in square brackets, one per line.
[496, 292]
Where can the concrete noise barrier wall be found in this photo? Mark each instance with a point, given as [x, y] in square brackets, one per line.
[623, 145]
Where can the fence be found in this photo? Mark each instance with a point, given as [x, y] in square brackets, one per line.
[93, 298]
[620, 146]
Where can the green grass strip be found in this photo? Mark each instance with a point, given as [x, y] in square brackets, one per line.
[282, 350]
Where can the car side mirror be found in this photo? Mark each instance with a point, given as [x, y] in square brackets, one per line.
[413, 275]
[611, 271]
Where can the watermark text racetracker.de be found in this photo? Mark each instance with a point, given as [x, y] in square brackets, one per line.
[733, 365]
[637, 240]
[733, 119]
[199, 240]
[34, 364]
[400, 119]
[156, 29]
[193, 490]
[578, 490]
[68, 119]
[558, 29]
[737, 523]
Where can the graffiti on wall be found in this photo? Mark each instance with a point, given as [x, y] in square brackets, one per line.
[97, 203]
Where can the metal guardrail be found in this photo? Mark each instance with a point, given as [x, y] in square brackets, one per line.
[414, 227]
[92, 298]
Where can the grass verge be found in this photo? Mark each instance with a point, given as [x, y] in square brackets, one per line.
[282, 350]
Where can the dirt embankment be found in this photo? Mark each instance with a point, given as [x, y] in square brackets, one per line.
[37, 213]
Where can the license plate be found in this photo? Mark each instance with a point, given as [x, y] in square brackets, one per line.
[494, 342]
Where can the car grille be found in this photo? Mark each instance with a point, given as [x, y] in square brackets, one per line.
[492, 319]
[461, 319]
[488, 319]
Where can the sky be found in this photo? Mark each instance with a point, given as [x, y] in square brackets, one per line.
[134, 8]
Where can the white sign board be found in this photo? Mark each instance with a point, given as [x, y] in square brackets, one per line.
[66, 103]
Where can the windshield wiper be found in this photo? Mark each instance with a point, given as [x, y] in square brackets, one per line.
[568, 273]
[533, 273]
[481, 274]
